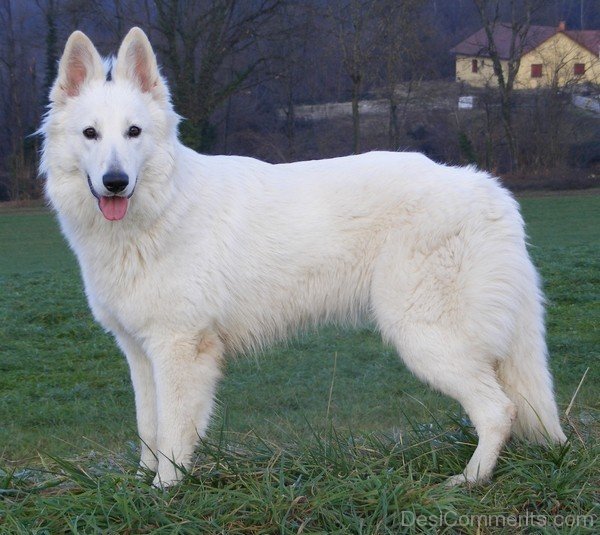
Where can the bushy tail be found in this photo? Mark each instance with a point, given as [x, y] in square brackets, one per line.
[527, 381]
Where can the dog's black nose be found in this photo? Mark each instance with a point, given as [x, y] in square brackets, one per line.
[115, 181]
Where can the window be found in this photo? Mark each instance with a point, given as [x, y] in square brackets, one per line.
[474, 67]
[536, 70]
[579, 69]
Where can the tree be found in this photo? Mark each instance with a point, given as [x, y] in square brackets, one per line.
[355, 24]
[399, 46]
[49, 9]
[18, 100]
[548, 118]
[199, 40]
[290, 64]
[520, 13]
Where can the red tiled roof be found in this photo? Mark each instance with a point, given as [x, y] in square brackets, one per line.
[477, 44]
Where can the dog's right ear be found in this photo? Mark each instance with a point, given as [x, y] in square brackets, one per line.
[79, 64]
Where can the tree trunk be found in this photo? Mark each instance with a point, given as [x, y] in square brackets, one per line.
[356, 114]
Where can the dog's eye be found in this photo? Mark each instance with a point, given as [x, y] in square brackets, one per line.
[134, 131]
[90, 133]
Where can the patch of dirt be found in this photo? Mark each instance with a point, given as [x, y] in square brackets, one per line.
[559, 193]
[30, 205]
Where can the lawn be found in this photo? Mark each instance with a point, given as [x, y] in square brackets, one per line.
[328, 433]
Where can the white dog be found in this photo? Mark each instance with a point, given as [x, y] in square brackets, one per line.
[187, 258]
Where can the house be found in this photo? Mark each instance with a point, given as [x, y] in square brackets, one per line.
[549, 56]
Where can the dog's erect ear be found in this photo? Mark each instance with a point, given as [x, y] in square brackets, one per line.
[136, 62]
[79, 64]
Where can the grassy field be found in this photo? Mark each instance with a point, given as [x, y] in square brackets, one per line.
[327, 434]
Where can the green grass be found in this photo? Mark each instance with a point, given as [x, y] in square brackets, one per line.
[302, 440]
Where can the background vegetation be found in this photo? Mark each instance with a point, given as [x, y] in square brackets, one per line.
[329, 433]
[243, 73]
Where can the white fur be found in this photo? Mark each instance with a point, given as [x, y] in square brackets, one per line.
[224, 254]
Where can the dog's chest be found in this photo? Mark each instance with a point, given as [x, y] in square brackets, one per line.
[126, 286]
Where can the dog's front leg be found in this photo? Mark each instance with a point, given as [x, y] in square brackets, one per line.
[142, 379]
[186, 372]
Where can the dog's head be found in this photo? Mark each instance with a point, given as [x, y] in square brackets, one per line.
[109, 127]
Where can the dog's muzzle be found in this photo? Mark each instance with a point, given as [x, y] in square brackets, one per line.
[113, 206]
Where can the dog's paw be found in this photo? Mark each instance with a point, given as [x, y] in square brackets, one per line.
[143, 474]
[167, 477]
[464, 479]
[453, 481]
[163, 484]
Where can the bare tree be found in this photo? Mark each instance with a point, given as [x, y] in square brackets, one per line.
[520, 13]
[18, 76]
[399, 48]
[50, 11]
[290, 63]
[552, 130]
[198, 42]
[355, 24]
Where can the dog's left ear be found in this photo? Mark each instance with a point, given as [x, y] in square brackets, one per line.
[136, 62]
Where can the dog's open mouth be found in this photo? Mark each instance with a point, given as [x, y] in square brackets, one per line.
[114, 207]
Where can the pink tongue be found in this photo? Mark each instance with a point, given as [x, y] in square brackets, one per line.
[113, 208]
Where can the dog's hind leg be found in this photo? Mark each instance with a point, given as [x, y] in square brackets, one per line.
[447, 301]
[186, 372]
[463, 373]
[142, 379]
